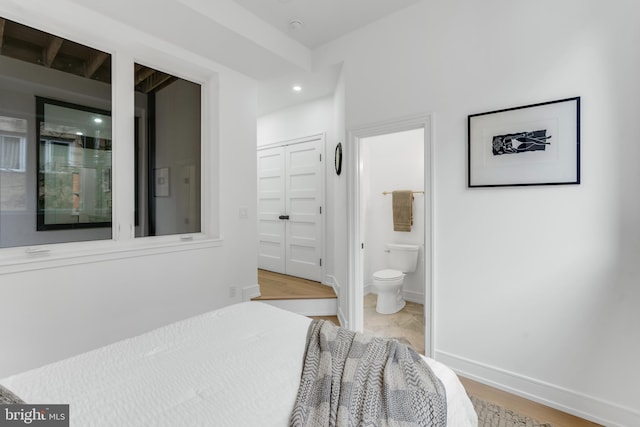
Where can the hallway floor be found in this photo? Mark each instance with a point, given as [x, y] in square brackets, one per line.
[280, 286]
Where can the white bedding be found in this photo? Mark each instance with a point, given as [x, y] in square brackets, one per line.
[237, 366]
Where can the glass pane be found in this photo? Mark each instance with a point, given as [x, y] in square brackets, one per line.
[168, 146]
[44, 163]
[13, 135]
[11, 149]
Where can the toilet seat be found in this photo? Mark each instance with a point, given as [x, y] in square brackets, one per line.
[388, 275]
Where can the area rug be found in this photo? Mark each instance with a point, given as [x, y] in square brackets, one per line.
[492, 415]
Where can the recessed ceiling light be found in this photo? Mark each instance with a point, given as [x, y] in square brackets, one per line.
[79, 133]
[97, 120]
[297, 88]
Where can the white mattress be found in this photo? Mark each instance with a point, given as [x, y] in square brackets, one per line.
[237, 366]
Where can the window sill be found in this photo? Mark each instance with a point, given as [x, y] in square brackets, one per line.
[68, 254]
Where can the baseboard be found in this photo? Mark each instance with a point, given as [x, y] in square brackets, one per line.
[342, 318]
[368, 289]
[331, 280]
[412, 296]
[307, 307]
[572, 402]
[250, 292]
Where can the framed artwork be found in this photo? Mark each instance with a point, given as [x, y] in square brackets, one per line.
[161, 182]
[535, 144]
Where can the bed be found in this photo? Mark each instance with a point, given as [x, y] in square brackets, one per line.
[236, 366]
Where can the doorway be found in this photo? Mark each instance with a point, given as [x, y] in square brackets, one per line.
[290, 207]
[362, 235]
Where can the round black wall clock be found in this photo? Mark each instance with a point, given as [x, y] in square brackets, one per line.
[338, 158]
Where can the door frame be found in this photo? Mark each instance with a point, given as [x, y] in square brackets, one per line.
[323, 233]
[355, 293]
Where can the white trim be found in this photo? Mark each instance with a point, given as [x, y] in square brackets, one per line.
[123, 153]
[563, 399]
[411, 296]
[337, 288]
[65, 254]
[430, 242]
[330, 280]
[24, 258]
[316, 137]
[210, 208]
[307, 307]
[368, 289]
[342, 318]
[356, 289]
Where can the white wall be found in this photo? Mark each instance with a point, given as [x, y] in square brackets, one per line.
[62, 308]
[303, 120]
[536, 289]
[392, 162]
[337, 231]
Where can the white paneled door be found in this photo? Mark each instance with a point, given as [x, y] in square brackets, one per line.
[290, 209]
[271, 204]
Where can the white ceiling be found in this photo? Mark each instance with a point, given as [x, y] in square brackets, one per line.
[322, 20]
[253, 36]
[277, 93]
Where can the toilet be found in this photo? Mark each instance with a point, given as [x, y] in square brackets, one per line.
[402, 258]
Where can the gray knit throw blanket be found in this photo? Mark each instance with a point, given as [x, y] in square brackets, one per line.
[353, 379]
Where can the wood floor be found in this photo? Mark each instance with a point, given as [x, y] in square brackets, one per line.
[278, 286]
[523, 406]
[333, 319]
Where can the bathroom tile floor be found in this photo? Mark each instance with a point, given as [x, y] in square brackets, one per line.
[406, 326]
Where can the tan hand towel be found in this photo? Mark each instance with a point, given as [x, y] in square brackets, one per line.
[402, 202]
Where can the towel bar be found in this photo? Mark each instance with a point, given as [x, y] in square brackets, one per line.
[391, 192]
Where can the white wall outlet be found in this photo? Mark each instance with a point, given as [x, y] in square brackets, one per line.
[243, 213]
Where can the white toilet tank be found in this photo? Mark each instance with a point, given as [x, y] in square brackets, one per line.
[403, 257]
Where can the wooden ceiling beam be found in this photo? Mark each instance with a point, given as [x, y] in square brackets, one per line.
[154, 81]
[143, 74]
[2, 24]
[51, 51]
[95, 61]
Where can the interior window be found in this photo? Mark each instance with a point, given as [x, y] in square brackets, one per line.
[55, 182]
[168, 153]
